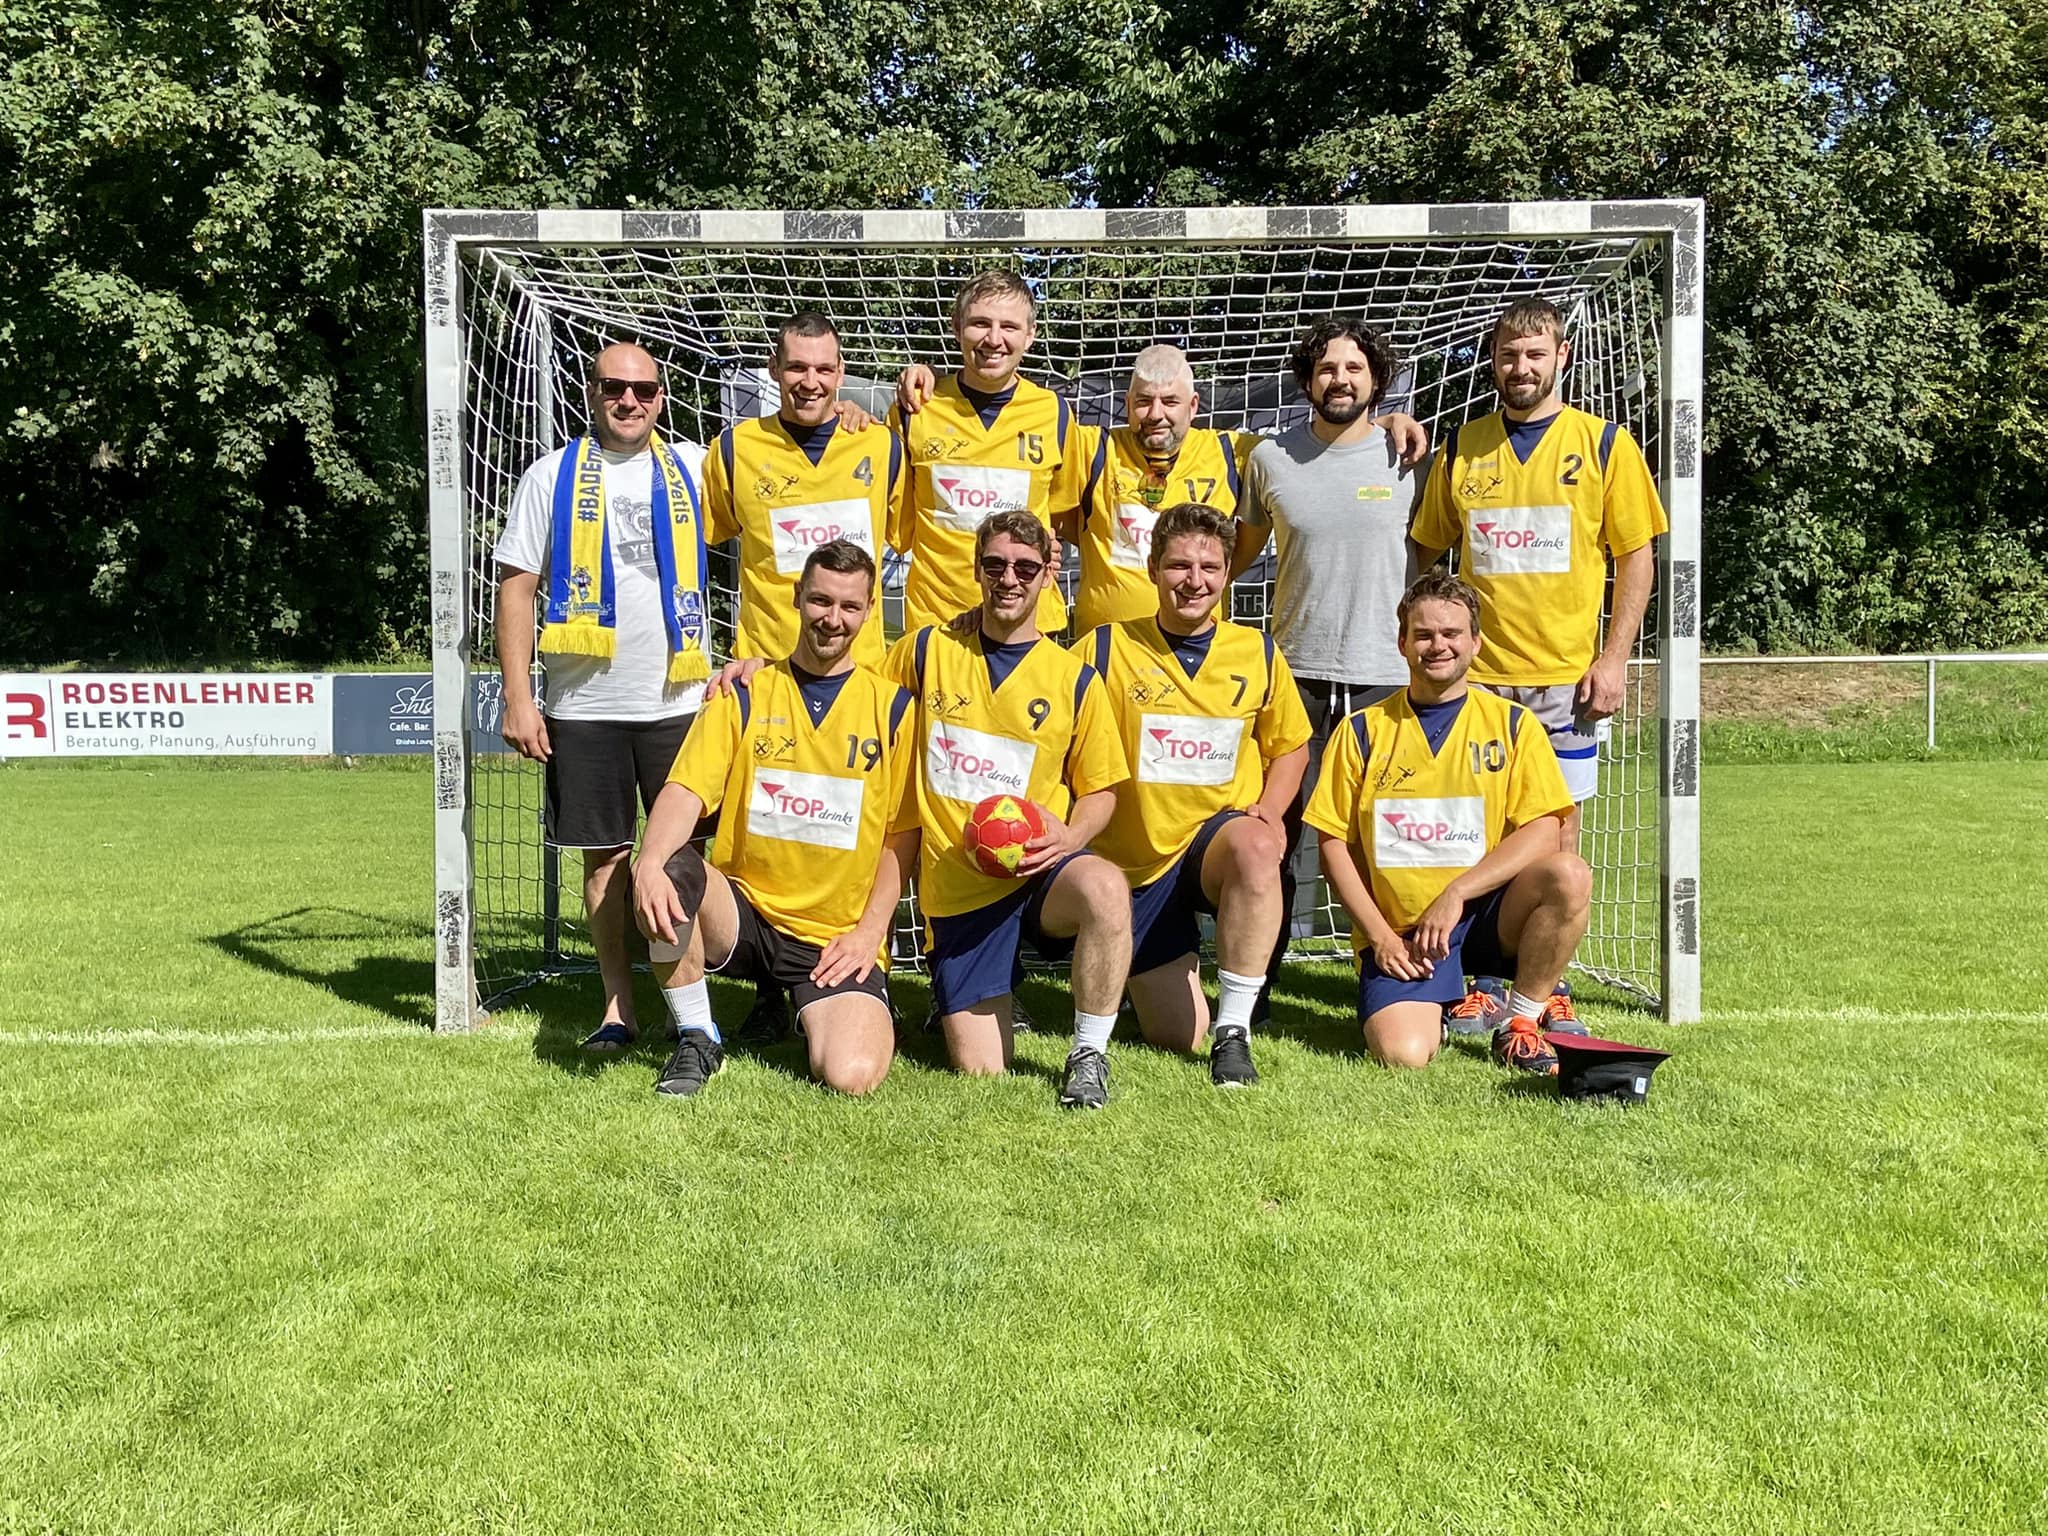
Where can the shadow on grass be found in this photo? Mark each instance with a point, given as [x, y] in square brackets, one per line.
[1316, 1005]
[325, 947]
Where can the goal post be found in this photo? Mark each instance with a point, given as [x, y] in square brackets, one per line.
[517, 302]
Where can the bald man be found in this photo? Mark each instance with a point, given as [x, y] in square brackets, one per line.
[623, 629]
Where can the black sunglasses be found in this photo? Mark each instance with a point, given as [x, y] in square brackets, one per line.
[644, 390]
[993, 566]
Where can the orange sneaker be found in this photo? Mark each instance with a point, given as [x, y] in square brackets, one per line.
[1558, 1016]
[1478, 1012]
[1519, 1043]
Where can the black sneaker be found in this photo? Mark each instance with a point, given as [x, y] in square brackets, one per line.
[767, 1021]
[1020, 1021]
[1230, 1060]
[1087, 1084]
[696, 1059]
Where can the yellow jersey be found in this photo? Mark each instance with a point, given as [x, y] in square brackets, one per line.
[1197, 742]
[1530, 534]
[1416, 819]
[762, 488]
[1020, 720]
[804, 807]
[1023, 457]
[1122, 498]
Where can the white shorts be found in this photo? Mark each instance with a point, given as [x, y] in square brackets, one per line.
[1576, 741]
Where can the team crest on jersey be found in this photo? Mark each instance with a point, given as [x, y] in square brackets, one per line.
[774, 487]
[1482, 479]
[941, 447]
[773, 746]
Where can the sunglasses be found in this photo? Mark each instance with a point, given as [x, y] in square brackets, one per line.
[993, 566]
[644, 390]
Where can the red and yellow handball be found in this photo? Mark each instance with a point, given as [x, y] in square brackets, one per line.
[997, 830]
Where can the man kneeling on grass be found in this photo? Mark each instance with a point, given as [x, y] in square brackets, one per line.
[804, 762]
[1440, 810]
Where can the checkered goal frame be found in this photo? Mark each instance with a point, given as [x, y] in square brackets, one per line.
[518, 301]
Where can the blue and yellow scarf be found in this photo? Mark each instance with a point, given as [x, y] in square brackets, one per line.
[581, 619]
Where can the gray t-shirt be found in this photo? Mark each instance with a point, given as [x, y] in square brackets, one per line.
[1339, 516]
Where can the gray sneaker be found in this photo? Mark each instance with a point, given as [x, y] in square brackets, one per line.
[1087, 1084]
[696, 1059]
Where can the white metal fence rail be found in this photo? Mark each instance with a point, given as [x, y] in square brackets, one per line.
[1929, 659]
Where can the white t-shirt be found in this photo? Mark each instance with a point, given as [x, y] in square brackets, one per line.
[631, 684]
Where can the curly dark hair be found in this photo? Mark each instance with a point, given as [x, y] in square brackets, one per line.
[1373, 342]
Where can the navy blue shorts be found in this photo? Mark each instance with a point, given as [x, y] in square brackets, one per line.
[1163, 913]
[977, 955]
[1475, 951]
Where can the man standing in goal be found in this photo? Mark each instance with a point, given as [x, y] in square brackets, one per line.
[1337, 499]
[985, 440]
[1535, 497]
[1001, 711]
[1438, 810]
[612, 524]
[808, 763]
[785, 485]
[1217, 741]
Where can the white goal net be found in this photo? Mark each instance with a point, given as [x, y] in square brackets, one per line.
[518, 302]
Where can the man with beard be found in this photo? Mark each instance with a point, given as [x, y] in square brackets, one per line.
[810, 764]
[1337, 500]
[612, 525]
[1536, 497]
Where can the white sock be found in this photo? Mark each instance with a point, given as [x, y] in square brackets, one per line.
[1235, 997]
[1091, 1030]
[690, 1006]
[1520, 1007]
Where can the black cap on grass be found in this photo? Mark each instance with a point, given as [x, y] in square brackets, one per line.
[1604, 1069]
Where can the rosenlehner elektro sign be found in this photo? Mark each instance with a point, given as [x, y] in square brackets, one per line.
[157, 714]
[231, 714]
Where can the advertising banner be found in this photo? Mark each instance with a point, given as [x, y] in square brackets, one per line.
[234, 714]
[158, 714]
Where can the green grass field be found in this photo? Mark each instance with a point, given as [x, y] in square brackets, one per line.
[276, 1260]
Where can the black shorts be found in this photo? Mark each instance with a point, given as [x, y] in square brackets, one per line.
[763, 952]
[602, 772]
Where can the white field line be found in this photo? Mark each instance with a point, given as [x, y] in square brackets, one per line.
[236, 1038]
[224, 1038]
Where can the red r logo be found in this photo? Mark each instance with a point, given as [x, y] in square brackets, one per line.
[25, 717]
